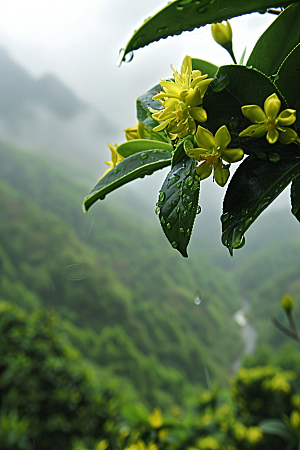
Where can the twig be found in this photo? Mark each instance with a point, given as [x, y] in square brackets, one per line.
[285, 330]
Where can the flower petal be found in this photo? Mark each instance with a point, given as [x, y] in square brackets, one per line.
[197, 80]
[193, 98]
[256, 131]
[170, 88]
[197, 153]
[198, 114]
[272, 106]
[287, 135]
[186, 66]
[204, 138]
[254, 113]
[286, 117]
[222, 137]
[272, 136]
[204, 170]
[162, 125]
[232, 155]
[221, 173]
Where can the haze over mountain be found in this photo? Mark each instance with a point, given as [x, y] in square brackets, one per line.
[46, 117]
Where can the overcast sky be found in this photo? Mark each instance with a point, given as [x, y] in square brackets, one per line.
[79, 42]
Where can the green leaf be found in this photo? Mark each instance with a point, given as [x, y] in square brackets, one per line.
[286, 82]
[233, 87]
[277, 41]
[277, 428]
[178, 202]
[185, 15]
[295, 198]
[205, 67]
[243, 56]
[254, 186]
[131, 168]
[179, 152]
[142, 106]
[140, 145]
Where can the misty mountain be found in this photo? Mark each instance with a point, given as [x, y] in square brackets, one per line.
[46, 116]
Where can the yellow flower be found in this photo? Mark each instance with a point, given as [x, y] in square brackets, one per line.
[295, 419]
[221, 33]
[254, 435]
[268, 121]
[115, 159]
[181, 100]
[212, 150]
[135, 132]
[287, 303]
[156, 418]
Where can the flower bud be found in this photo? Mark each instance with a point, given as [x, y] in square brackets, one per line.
[287, 303]
[221, 33]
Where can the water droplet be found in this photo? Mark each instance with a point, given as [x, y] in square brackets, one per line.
[174, 244]
[162, 30]
[220, 83]
[190, 205]
[102, 197]
[237, 235]
[168, 225]
[224, 217]
[116, 171]
[123, 168]
[184, 213]
[197, 299]
[161, 196]
[197, 178]
[198, 210]
[187, 172]
[128, 57]
[245, 211]
[177, 210]
[77, 272]
[181, 230]
[274, 157]
[157, 210]
[162, 220]
[233, 123]
[248, 221]
[179, 8]
[178, 184]
[144, 155]
[188, 231]
[189, 181]
[120, 57]
[275, 77]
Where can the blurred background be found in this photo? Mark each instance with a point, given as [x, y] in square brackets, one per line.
[161, 327]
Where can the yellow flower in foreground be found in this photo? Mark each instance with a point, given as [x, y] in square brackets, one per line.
[181, 100]
[221, 33]
[115, 159]
[212, 150]
[268, 121]
[156, 418]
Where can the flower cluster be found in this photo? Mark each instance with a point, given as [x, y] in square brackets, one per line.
[181, 100]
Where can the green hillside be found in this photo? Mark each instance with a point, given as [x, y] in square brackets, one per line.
[134, 312]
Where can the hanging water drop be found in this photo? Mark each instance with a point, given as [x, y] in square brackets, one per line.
[197, 299]
[161, 196]
[162, 220]
[224, 217]
[181, 230]
[120, 57]
[157, 210]
[198, 209]
[189, 181]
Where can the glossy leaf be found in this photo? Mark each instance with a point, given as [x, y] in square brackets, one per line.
[205, 67]
[131, 168]
[295, 198]
[185, 15]
[233, 87]
[179, 152]
[142, 107]
[277, 41]
[276, 427]
[254, 186]
[178, 202]
[288, 84]
[140, 145]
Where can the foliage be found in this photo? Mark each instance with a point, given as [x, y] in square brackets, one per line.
[240, 105]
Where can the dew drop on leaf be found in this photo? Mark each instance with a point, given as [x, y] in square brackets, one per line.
[181, 230]
[144, 155]
[157, 210]
[198, 210]
[168, 225]
[174, 244]
[274, 157]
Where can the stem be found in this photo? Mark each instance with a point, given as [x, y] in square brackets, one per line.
[292, 324]
[228, 47]
[274, 11]
[284, 330]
